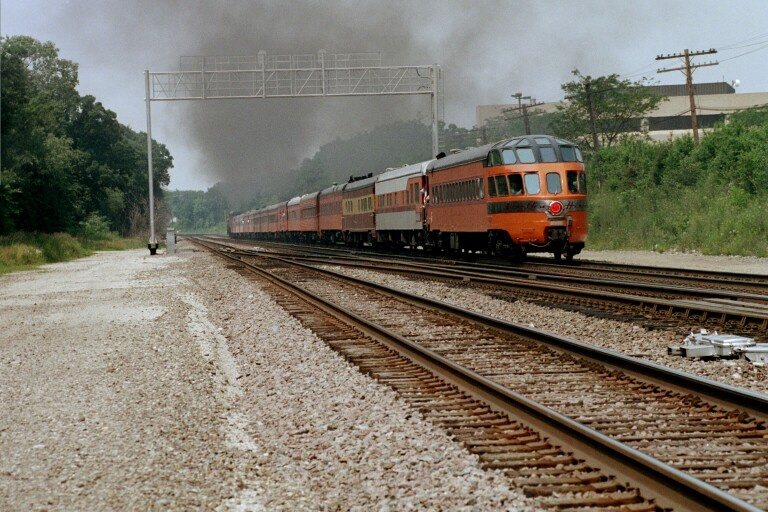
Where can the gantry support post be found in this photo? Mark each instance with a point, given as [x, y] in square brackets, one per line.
[152, 239]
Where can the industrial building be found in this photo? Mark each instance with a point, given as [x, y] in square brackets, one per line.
[714, 101]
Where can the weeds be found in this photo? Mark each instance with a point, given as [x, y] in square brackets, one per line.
[23, 251]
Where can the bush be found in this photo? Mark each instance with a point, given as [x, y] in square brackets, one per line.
[95, 227]
[20, 255]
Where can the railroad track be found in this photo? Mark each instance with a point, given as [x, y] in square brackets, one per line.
[679, 440]
[650, 304]
[749, 283]
[545, 267]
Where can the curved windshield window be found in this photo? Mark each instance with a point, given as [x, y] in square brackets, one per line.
[572, 177]
[541, 140]
[508, 155]
[532, 185]
[526, 155]
[583, 182]
[553, 183]
[569, 155]
[578, 155]
[548, 154]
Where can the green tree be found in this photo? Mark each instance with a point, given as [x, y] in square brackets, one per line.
[599, 111]
[65, 157]
[512, 125]
[197, 211]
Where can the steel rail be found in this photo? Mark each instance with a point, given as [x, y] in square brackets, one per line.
[680, 490]
[544, 275]
[724, 394]
[743, 313]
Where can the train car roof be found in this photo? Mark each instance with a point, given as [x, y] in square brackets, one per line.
[481, 153]
[311, 195]
[333, 188]
[406, 170]
[461, 157]
[294, 201]
[275, 206]
[360, 183]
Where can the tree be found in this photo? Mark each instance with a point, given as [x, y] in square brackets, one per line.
[65, 157]
[512, 125]
[599, 111]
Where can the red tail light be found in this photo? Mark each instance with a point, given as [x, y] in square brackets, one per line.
[555, 207]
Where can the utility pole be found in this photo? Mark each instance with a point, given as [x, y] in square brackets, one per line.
[523, 109]
[688, 69]
[591, 109]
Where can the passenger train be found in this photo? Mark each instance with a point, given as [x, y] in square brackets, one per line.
[522, 195]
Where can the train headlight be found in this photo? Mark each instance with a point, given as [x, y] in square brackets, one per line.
[555, 208]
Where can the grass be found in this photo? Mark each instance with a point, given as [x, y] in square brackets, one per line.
[25, 251]
[726, 222]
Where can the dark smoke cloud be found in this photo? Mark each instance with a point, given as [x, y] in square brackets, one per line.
[487, 49]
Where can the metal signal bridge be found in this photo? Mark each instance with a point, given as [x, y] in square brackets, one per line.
[286, 76]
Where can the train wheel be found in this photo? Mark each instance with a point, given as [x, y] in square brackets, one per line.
[518, 254]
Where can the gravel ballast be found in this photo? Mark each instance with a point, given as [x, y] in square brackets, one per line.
[627, 338]
[133, 382]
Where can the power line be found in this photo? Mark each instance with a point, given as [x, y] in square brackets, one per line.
[744, 42]
[765, 45]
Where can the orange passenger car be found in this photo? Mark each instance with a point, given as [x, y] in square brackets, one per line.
[522, 195]
[329, 214]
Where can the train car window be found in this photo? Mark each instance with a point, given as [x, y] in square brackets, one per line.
[569, 153]
[515, 184]
[532, 184]
[553, 183]
[526, 155]
[491, 187]
[572, 177]
[501, 185]
[548, 154]
[480, 187]
[583, 182]
[508, 156]
[494, 158]
[578, 155]
[541, 141]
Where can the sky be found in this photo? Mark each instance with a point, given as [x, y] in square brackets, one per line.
[487, 51]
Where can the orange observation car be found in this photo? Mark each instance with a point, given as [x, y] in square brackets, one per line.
[514, 197]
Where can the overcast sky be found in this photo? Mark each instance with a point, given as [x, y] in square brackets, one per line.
[487, 50]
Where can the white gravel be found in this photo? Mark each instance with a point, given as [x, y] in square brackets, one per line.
[674, 259]
[619, 336]
[170, 383]
[132, 382]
